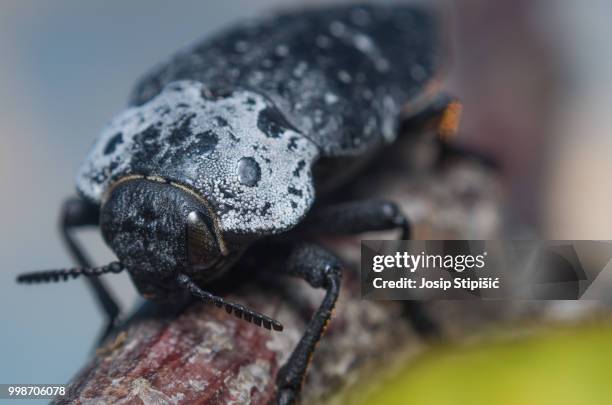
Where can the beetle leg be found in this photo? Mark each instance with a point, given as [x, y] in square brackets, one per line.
[443, 114]
[77, 213]
[321, 269]
[450, 150]
[357, 217]
[446, 114]
[365, 216]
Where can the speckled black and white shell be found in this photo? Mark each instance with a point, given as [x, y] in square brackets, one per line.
[340, 74]
[242, 117]
[231, 150]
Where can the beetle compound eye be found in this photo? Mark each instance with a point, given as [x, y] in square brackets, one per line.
[249, 171]
[202, 248]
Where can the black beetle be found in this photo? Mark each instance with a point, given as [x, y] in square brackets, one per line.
[227, 143]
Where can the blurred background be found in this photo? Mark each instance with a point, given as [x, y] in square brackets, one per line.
[534, 77]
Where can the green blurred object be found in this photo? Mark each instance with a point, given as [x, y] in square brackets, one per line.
[561, 367]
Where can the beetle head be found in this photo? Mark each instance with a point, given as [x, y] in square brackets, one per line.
[158, 230]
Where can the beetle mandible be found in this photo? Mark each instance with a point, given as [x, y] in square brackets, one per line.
[229, 142]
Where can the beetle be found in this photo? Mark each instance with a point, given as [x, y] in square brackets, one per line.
[232, 141]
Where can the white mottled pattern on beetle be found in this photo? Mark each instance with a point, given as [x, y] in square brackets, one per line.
[181, 136]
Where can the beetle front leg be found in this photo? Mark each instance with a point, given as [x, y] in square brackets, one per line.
[77, 213]
[321, 269]
[365, 216]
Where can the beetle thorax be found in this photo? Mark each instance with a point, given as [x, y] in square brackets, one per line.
[235, 150]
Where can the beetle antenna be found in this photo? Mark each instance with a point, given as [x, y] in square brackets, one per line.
[238, 310]
[48, 276]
